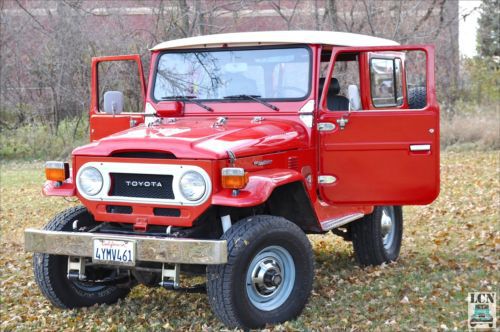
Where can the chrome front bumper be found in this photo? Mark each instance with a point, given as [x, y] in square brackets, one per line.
[148, 248]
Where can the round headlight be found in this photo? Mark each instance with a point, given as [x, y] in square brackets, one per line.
[192, 185]
[90, 181]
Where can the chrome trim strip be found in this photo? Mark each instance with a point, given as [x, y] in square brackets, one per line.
[177, 171]
[420, 147]
[148, 248]
[326, 126]
[334, 223]
[326, 179]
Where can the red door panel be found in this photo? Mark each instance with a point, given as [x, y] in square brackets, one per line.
[102, 125]
[372, 162]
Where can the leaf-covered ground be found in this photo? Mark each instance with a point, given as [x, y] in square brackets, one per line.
[450, 248]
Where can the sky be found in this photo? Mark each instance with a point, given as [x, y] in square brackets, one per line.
[468, 27]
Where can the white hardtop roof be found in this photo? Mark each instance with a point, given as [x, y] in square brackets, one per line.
[275, 38]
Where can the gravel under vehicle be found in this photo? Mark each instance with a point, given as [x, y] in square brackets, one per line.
[242, 145]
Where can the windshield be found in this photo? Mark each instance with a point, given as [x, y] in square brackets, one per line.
[274, 73]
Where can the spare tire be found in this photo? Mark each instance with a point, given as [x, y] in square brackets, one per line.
[417, 97]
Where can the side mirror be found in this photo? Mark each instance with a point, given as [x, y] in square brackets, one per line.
[113, 102]
[354, 98]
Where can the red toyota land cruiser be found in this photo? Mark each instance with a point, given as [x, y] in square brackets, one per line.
[245, 143]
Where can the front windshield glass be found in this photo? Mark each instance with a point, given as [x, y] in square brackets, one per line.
[274, 73]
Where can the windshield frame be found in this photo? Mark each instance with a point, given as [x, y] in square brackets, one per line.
[306, 96]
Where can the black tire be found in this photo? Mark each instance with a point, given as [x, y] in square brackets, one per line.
[51, 270]
[247, 240]
[417, 97]
[368, 236]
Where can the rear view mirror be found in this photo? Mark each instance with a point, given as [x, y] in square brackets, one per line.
[354, 98]
[113, 102]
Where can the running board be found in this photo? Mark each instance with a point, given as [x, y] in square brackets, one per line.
[337, 222]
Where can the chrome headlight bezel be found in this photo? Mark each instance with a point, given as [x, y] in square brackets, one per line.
[87, 174]
[186, 182]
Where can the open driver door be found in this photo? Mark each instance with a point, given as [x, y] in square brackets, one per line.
[127, 91]
[384, 149]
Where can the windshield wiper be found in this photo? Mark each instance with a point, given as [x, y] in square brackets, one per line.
[188, 98]
[254, 98]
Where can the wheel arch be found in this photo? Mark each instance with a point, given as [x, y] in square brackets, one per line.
[284, 196]
[292, 202]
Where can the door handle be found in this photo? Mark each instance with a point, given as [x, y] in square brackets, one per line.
[420, 147]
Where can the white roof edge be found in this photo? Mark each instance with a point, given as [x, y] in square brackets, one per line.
[275, 38]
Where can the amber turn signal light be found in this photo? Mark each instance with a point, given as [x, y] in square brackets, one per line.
[234, 178]
[56, 171]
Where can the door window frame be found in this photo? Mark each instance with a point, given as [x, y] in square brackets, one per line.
[94, 103]
[365, 83]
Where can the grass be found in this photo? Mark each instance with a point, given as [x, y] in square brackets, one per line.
[450, 248]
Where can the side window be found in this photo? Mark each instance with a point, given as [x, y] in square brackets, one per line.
[386, 82]
[416, 79]
[121, 76]
[396, 77]
[345, 73]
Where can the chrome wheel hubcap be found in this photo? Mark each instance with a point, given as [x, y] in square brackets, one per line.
[270, 278]
[387, 226]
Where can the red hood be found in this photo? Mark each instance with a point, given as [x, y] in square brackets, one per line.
[197, 138]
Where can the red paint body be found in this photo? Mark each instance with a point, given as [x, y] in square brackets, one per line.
[370, 158]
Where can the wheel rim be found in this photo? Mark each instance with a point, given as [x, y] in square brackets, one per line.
[270, 278]
[388, 226]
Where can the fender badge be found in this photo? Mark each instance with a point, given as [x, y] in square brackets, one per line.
[263, 162]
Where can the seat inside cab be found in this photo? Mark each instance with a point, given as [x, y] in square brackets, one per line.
[346, 72]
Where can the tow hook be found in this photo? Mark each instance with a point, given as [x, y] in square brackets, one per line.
[170, 277]
[76, 268]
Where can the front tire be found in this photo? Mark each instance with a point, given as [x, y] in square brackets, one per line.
[377, 237]
[51, 270]
[268, 277]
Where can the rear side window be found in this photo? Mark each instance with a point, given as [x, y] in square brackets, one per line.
[386, 82]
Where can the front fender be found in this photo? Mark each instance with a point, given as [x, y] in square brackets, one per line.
[53, 188]
[260, 186]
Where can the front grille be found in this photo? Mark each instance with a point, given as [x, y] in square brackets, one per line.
[141, 185]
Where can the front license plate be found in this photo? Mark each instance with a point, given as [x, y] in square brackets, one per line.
[118, 252]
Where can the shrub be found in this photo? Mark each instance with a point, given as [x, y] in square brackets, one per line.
[38, 141]
[474, 128]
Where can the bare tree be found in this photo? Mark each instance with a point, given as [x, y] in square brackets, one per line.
[46, 47]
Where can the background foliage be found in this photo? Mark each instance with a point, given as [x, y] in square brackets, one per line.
[46, 47]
